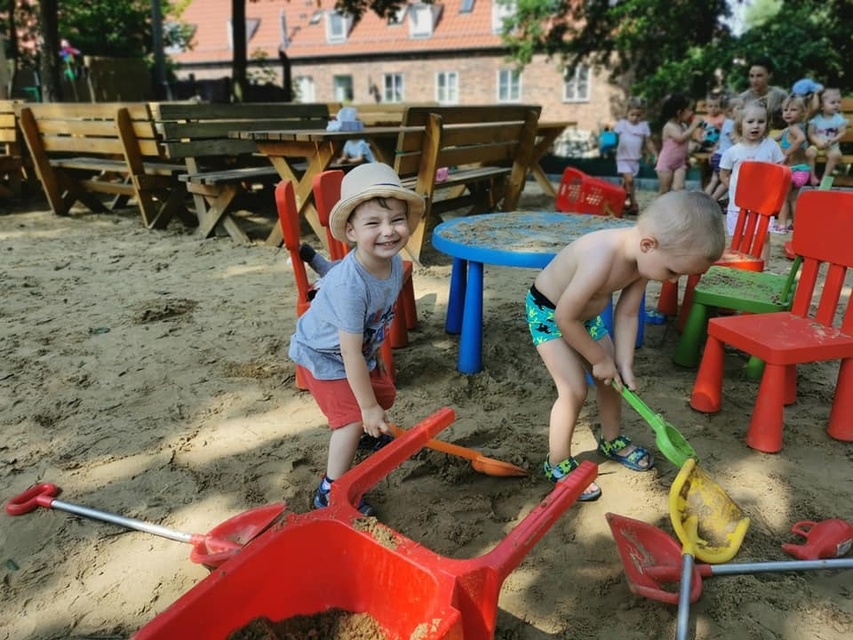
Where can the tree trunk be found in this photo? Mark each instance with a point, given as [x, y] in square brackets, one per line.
[238, 40]
[51, 87]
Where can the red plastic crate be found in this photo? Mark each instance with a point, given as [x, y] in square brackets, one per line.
[581, 193]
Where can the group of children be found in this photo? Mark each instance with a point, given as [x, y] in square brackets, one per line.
[680, 233]
[338, 338]
[733, 131]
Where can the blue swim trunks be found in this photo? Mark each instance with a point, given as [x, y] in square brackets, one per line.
[543, 326]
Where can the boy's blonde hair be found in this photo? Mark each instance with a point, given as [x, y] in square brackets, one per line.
[686, 223]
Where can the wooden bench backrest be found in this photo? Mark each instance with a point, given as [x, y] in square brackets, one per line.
[470, 134]
[381, 114]
[191, 130]
[88, 128]
[9, 132]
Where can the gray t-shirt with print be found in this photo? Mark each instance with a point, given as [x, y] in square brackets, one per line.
[350, 299]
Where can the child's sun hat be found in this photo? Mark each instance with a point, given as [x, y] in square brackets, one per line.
[368, 181]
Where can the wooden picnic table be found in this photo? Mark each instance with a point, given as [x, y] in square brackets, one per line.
[546, 133]
[319, 149]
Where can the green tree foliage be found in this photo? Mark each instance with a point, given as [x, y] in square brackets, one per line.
[804, 39]
[640, 42]
[655, 47]
[119, 28]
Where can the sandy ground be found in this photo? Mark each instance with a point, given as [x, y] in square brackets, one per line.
[145, 373]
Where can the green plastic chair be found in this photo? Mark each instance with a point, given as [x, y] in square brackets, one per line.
[737, 290]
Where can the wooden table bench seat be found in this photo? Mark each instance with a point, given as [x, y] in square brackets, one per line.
[220, 167]
[83, 149]
[13, 169]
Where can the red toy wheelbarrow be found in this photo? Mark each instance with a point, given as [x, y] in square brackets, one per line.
[334, 558]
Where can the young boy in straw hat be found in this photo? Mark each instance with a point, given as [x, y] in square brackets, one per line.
[338, 338]
[680, 233]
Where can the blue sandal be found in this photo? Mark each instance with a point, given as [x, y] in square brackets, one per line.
[564, 468]
[611, 448]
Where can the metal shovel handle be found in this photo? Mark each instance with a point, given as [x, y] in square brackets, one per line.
[42, 495]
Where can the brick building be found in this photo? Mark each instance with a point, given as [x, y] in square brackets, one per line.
[450, 52]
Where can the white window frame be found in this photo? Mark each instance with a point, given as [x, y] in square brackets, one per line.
[338, 88]
[422, 20]
[337, 26]
[252, 25]
[502, 9]
[447, 87]
[511, 79]
[397, 86]
[578, 88]
[305, 88]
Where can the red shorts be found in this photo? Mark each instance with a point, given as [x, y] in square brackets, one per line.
[337, 402]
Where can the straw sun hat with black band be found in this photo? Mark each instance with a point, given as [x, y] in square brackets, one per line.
[368, 181]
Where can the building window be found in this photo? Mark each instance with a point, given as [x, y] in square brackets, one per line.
[509, 85]
[467, 6]
[252, 25]
[393, 87]
[304, 86]
[422, 19]
[447, 87]
[342, 87]
[337, 26]
[501, 9]
[576, 85]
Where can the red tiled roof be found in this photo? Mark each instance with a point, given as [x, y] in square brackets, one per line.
[453, 31]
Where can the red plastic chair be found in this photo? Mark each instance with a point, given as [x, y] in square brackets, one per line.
[288, 218]
[581, 193]
[327, 191]
[761, 191]
[786, 339]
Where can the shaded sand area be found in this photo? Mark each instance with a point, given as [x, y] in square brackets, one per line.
[146, 374]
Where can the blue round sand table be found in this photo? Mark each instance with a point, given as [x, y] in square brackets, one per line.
[528, 239]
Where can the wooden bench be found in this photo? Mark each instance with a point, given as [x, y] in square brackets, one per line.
[219, 168]
[12, 170]
[80, 150]
[487, 150]
[381, 114]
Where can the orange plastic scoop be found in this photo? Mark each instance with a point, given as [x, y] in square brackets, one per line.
[481, 463]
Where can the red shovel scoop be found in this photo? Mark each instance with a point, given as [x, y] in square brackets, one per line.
[209, 549]
[652, 560]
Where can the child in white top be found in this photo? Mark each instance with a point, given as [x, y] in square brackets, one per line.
[825, 130]
[751, 129]
[634, 135]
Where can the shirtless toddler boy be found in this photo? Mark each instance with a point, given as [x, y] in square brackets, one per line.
[680, 233]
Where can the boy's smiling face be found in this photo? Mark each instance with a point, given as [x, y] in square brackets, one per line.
[379, 227]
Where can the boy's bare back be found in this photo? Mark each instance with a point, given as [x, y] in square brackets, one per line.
[608, 265]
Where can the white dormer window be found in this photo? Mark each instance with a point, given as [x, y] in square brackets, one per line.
[422, 19]
[337, 26]
[252, 25]
[501, 9]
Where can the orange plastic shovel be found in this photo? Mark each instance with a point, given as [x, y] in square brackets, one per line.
[481, 463]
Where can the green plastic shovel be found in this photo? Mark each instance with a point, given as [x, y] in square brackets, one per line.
[668, 439]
